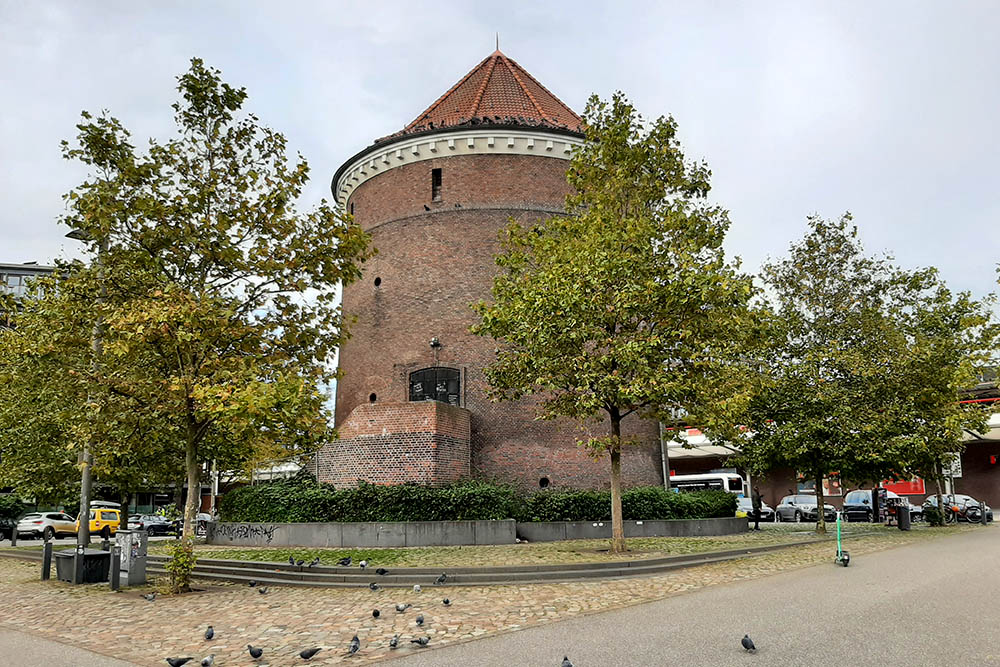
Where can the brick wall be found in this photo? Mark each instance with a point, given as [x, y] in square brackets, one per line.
[426, 442]
[434, 260]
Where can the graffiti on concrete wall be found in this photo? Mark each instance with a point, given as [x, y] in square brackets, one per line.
[242, 531]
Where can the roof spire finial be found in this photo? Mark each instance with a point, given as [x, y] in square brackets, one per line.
[498, 41]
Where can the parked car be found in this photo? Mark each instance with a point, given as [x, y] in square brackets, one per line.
[103, 522]
[803, 507]
[153, 524]
[46, 524]
[744, 507]
[858, 505]
[968, 507]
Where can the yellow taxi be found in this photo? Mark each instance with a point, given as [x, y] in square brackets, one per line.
[103, 522]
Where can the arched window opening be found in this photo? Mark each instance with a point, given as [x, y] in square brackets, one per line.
[436, 384]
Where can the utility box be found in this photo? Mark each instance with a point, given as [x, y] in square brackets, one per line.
[133, 545]
[96, 564]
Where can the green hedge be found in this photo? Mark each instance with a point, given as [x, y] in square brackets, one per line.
[645, 503]
[298, 500]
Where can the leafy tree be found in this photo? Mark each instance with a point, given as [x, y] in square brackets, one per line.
[833, 399]
[220, 317]
[626, 304]
[952, 337]
[51, 402]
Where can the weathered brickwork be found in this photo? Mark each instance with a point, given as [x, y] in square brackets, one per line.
[424, 442]
[431, 265]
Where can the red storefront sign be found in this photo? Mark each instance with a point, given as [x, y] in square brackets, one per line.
[914, 487]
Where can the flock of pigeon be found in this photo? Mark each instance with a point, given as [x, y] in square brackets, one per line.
[307, 654]
[257, 652]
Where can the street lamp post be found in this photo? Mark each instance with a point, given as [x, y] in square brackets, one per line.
[96, 349]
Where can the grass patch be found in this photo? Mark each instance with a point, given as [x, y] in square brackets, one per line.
[540, 553]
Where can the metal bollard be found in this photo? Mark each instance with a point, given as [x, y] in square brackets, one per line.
[78, 565]
[982, 512]
[46, 560]
[116, 567]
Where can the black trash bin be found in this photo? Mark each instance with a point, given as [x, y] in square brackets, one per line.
[96, 564]
[903, 517]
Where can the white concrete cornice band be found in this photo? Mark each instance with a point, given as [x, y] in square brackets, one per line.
[471, 142]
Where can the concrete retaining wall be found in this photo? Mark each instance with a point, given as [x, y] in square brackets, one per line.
[584, 530]
[451, 533]
[390, 534]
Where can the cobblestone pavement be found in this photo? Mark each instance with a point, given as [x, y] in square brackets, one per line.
[289, 619]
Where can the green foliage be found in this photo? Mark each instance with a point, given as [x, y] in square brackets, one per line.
[646, 503]
[626, 304]
[180, 566]
[307, 500]
[11, 506]
[294, 501]
[863, 365]
[933, 516]
[211, 350]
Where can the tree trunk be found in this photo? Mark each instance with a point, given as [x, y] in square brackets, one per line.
[820, 498]
[193, 486]
[617, 527]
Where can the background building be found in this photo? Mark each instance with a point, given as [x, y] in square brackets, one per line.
[14, 279]
[412, 404]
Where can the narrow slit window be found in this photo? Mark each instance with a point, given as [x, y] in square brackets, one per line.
[435, 185]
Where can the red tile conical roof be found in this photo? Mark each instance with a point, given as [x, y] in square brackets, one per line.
[496, 91]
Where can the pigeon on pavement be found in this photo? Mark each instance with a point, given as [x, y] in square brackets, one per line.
[209, 633]
[300, 563]
[394, 642]
[420, 620]
[263, 590]
[422, 641]
[441, 579]
[566, 662]
[309, 653]
[355, 645]
[416, 588]
[315, 562]
[402, 607]
[252, 583]
[291, 560]
[177, 662]
[363, 564]
[255, 652]
[446, 602]
[208, 660]
[150, 596]
[382, 571]
[376, 613]
[373, 586]
[748, 644]
[346, 561]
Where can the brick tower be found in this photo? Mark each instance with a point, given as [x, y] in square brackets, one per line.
[411, 402]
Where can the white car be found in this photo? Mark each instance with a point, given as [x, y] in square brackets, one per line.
[47, 525]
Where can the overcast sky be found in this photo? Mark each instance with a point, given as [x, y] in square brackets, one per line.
[886, 109]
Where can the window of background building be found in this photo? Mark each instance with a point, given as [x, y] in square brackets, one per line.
[435, 185]
[436, 384]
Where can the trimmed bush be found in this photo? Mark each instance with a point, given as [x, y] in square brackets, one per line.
[302, 500]
[295, 501]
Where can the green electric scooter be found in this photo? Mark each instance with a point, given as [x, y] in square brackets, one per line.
[843, 558]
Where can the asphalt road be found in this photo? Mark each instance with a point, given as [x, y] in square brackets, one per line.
[24, 650]
[934, 603]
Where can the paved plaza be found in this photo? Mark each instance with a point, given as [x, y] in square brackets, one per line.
[289, 619]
